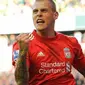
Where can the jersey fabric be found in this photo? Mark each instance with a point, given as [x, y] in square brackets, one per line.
[51, 59]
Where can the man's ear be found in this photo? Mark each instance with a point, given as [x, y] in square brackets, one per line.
[56, 15]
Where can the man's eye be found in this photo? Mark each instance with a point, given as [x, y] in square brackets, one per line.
[35, 11]
[44, 10]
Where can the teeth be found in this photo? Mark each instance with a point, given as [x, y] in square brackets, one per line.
[40, 21]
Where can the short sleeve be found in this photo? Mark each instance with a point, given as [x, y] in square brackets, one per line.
[79, 59]
[15, 53]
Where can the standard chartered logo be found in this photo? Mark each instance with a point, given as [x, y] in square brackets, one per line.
[56, 67]
[41, 71]
[55, 64]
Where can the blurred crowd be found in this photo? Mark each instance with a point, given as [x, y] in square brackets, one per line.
[13, 7]
[71, 5]
[7, 78]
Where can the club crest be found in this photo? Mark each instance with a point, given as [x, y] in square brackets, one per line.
[67, 52]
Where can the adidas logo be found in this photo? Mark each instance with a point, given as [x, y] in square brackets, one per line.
[40, 54]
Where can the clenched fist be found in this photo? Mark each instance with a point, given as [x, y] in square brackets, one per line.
[23, 41]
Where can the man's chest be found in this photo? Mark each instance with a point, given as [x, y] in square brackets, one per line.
[52, 56]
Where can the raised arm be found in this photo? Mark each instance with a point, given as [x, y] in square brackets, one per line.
[21, 69]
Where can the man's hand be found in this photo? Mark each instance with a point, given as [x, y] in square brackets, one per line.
[23, 41]
[25, 37]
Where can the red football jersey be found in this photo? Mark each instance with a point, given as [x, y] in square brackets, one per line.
[51, 59]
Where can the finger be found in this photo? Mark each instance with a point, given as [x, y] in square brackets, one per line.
[25, 36]
[21, 37]
[31, 37]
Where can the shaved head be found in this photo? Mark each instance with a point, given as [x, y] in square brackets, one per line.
[53, 5]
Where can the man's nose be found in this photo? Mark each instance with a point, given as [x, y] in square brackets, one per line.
[39, 13]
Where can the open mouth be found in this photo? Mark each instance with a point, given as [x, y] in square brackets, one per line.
[40, 21]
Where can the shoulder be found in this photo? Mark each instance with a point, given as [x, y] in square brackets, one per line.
[15, 45]
[72, 39]
[67, 38]
[61, 35]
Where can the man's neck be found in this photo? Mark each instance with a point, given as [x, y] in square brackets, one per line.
[45, 33]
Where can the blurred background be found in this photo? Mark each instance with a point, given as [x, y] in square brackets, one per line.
[16, 17]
